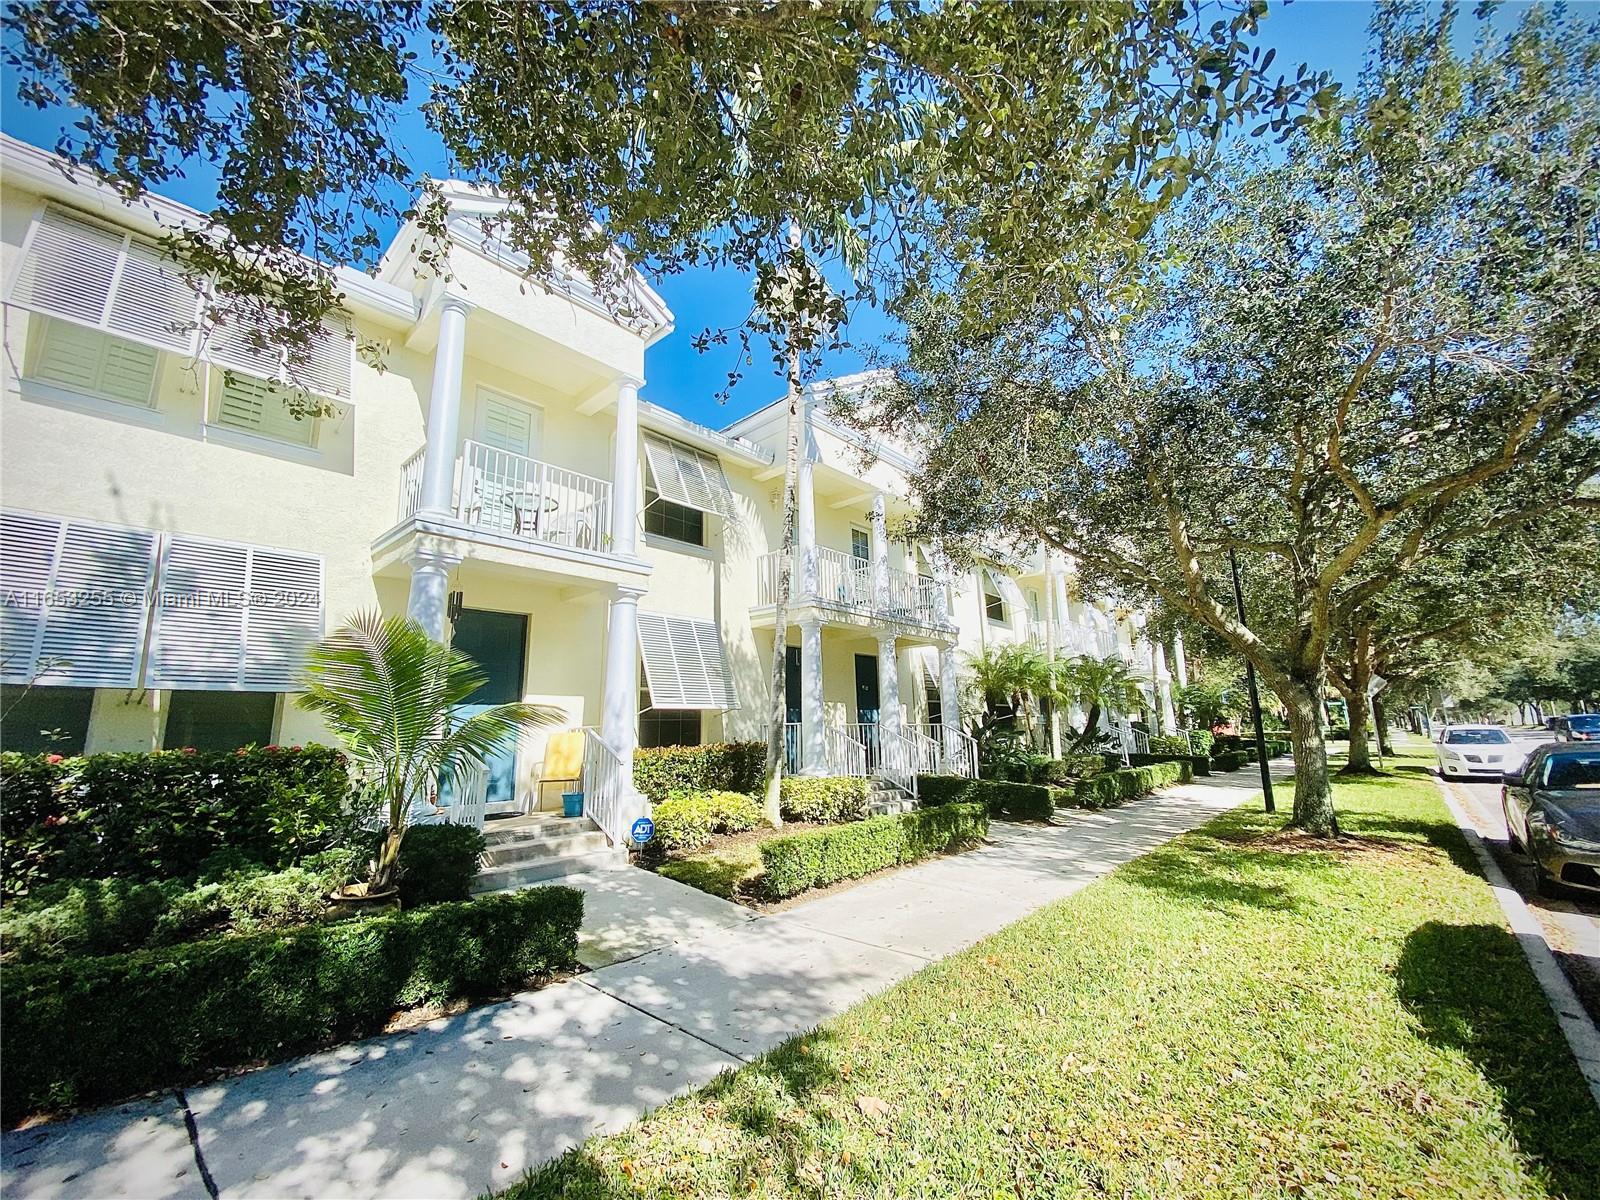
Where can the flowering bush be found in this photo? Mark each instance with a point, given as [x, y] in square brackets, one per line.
[161, 815]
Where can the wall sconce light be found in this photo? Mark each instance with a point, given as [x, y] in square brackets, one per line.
[453, 607]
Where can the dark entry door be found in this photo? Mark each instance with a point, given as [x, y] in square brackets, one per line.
[791, 704]
[497, 642]
[867, 704]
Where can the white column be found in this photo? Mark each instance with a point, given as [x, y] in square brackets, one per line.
[949, 701]
[430, 587]
[1180, 666]
[888, 699]
[444, 410]
[805, 503]
[625, 469]
[619, 715]
[813, 735]
[880, 554]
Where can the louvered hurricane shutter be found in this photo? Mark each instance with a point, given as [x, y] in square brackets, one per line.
[684, 663]
[107, 279]
[232, 617]
[76, 600]
[688, 476]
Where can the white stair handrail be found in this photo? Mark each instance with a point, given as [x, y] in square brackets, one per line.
[846, 756]
[602, 786]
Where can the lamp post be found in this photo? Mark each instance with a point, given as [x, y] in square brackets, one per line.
[1255, 696]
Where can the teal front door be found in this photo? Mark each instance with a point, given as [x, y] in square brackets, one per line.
[497, 642]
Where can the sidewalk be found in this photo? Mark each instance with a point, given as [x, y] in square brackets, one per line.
[469, 1103]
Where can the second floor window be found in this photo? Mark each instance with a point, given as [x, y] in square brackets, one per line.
[861, 545]
[95, 364]
[676, 521]
[257, 406]
[994, 605]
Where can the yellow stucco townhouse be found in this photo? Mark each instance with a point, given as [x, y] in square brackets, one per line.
[174, 535]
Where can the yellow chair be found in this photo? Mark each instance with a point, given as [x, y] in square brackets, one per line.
[562, 769]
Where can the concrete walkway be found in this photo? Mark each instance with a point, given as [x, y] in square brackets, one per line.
[686, 987]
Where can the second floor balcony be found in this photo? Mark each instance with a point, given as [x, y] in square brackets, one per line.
[523, 499]
[847, 585]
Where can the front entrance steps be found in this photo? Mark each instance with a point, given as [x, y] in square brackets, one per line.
[883, 798]
[539, 846]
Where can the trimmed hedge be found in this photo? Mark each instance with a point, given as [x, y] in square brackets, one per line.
[161, 815]
[437, 863]
[1198, 763]
[660, 771]
[826, 799]
[687, 820]
[1112, 788]
[1229, 760]
[819, 857]
[91, 1030]
[1202, 740]
[1019, 801]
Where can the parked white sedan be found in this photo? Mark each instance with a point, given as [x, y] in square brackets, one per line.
[1466, 751]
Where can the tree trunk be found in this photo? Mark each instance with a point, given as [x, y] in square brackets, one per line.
[772, 784]
[1091, 725]
[1313, 791]
[1360, 759]
[1380, 726]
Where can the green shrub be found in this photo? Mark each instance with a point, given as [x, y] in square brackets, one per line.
[163, 815]
[1019, 801]
[1126, 783]
[438, 863]
[91, 1030]
[1199, 764]
[274, 901]
[1201, 739]
[819, 857]
[719, 767]
[1229, 760]
[93, 916]
[826, 799]
[1169, 743]
[688, 820]
[1339, 733]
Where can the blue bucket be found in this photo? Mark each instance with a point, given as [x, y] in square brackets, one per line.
[572, 804]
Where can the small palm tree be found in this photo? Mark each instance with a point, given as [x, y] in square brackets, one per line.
[1099, 685]
[1013, 676]
[388, 691]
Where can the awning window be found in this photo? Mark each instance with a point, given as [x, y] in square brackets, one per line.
[685, 664]
[687, 476]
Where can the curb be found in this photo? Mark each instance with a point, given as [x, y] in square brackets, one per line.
[1583, 1038]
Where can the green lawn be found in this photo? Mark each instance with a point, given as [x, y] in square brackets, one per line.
[723, 871]
[1238, 1014]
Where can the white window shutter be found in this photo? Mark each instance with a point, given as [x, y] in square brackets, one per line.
[198, 640]
[77, 598]
[257, 406]
[68, 268]
[240, 341]
[284, 618]
[250, 341]
[688, 476]
[232, 617]
[96, 364]
[684, 663]
[323, 366]
[29, 545]
[107, 279]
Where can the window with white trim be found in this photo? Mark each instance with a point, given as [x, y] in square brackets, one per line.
[994, 605]
[508, 424]
[219, 720]
[665, 726]
[260, 407]
[87, 362]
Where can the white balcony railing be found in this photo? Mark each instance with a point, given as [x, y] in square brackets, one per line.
[842, 754]
[519, 497]
[843, 581]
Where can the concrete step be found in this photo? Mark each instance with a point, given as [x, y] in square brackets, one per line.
[882, 808]
[516, 829]
[520, 875]
[551, 845]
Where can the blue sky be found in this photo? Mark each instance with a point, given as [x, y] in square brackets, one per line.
[1326, 35]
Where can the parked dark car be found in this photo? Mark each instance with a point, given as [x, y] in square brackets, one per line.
[1579, 727]
[1552, 811]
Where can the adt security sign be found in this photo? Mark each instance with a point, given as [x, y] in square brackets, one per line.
[643, 830]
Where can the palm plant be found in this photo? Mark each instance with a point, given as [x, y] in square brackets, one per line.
[1210, 701]
[389, 692]
[1014, 676]
[1099, 686]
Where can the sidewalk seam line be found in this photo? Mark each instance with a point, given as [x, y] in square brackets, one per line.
[193, 1128]
[660, 1020]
